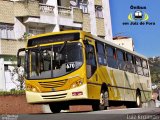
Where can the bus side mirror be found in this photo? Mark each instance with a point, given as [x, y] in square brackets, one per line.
[18, 57]
[19, 62]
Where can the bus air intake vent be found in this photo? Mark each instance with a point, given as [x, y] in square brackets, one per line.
[53, 84]
[58, 96]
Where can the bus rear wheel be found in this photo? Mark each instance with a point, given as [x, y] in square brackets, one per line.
[54, 108]
[138, 100]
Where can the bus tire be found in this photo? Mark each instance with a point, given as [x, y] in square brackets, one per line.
[103, 104]
[55, 108]
[138, 100]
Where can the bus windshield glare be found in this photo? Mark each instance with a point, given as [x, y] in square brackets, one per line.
[54, 61]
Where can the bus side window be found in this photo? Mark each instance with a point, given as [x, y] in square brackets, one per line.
[91, 60]
[101, 53]
[121, 60]
[111, 57]
[139, 66]
[145, 68]
[130, 63]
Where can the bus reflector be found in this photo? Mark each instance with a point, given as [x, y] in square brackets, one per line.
[77, 93]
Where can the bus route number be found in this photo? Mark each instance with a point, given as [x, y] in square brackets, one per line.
[70, 66]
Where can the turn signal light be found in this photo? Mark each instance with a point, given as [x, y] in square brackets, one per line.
[77, 83]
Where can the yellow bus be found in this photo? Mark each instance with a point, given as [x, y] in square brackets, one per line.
[74, 67]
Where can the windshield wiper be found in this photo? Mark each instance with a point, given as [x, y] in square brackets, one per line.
[62, 47]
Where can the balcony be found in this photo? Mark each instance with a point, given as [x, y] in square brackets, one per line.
[23, 9]
[53, 15]
[47, 16]
[69, 17]
[46, 8]
[65, 12]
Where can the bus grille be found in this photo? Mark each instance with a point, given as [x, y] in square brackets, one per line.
[58, 96]
[53, 84]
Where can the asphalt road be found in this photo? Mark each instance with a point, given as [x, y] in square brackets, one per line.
[121, 114]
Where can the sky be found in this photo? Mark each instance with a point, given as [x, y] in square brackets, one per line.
[146, 37]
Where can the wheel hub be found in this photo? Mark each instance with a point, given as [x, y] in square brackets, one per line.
[138, 100]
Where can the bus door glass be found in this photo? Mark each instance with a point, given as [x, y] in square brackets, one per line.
[90, 59]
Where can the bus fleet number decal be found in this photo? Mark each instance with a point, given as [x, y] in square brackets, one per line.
[70, 66]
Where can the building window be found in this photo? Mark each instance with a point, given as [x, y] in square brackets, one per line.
[98, 11]
[6, 31]
[36, 31]
[81, 4]
[43, 1]
[83, 7]
[5, 67]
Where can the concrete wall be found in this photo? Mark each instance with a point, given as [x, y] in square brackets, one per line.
[19, 28]
[16, 104]
[86, 23]
[48, 19]
[10, 83]
[64, 21]
[6, 12]
[49, 28]
[77, 15]
[91, 9]
[10, 47]
[22, 8]
[100, 27]
[98, 2]
[107, 20]
[65, 3]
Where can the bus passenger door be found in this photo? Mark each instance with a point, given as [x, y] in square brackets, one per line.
[91, 70]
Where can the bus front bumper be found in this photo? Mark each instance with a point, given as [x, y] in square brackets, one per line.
[71, 94]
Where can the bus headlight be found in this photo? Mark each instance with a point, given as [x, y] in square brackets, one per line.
[77, 83]
[34, 90]
[31, 88]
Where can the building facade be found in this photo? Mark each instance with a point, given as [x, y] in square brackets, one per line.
[19, 18]
[125, 42]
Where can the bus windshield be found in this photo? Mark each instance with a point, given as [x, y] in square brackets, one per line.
[54, 61]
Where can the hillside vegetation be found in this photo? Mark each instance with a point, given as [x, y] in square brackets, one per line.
[155, 69]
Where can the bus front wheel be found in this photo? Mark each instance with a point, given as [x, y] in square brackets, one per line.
[55, 108]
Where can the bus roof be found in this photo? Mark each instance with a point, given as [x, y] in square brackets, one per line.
[89, 35]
